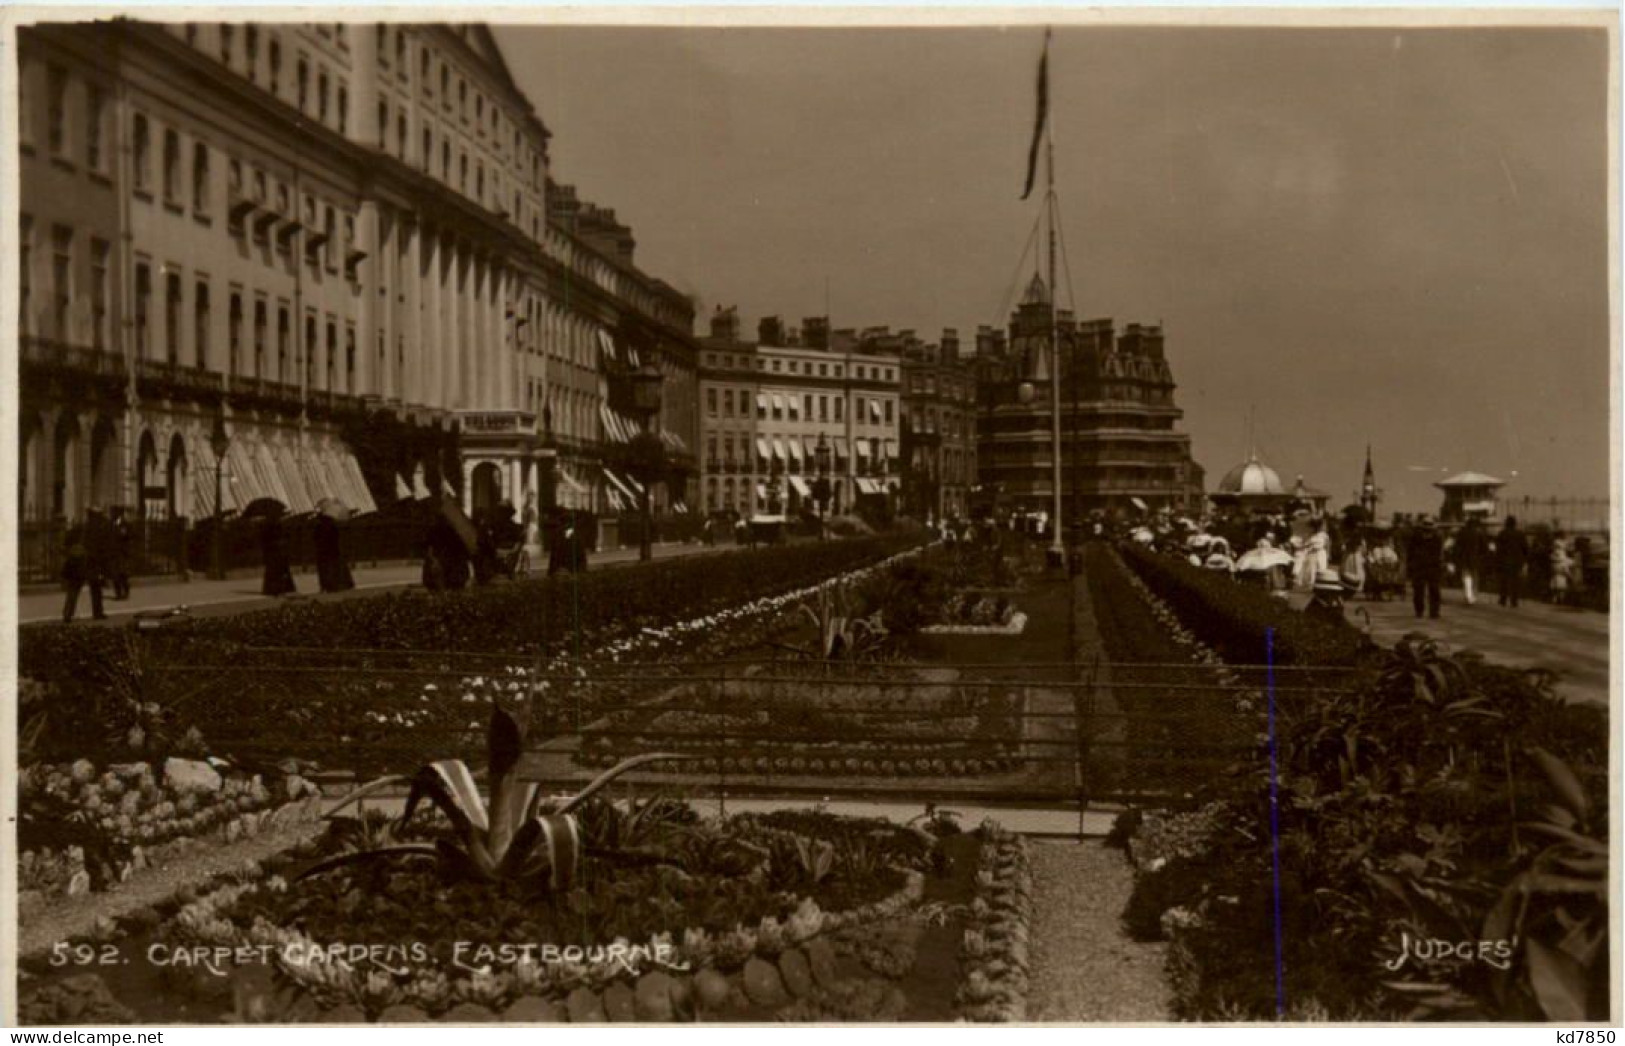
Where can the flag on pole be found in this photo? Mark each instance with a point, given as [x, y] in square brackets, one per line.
[1038, 123]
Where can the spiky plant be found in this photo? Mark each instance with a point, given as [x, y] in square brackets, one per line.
[516, 836]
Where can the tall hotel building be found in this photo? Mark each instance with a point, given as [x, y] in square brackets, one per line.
[337, 245]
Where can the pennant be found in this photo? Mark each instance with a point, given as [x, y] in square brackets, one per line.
[1043, 114]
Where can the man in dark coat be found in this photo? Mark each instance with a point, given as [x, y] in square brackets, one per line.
[84, 563]
[446, 562]
[1469, 557]
[1424, 565]
[120, 539]
[1511, 554]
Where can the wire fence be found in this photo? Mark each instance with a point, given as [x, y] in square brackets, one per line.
[1052, 735]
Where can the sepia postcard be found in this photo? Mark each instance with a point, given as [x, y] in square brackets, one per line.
[809, 516]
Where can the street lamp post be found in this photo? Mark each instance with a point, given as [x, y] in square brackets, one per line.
[821, 489]
[220, 443]
[646, 382]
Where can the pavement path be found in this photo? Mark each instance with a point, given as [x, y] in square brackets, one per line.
[1573, 643]
[234, 595]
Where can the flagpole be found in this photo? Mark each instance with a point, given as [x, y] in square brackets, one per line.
[1057, 544]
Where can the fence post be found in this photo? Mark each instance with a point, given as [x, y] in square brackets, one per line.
[722, 745]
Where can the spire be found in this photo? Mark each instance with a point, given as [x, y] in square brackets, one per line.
[1037, 293]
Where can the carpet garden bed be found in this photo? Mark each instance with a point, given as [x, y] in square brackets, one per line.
[797, 915]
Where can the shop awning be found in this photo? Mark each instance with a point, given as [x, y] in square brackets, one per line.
[606, 348]
[796, 448]
[778, 449]
[761, 402]
[778, 402]
[618, 483]
[420, 489]
[863, 447]
[891, 449]
[801, 486]
[762, 449]
[617, 500]
[874, 410]
[869, 486]
[402, 491]
[570, 482]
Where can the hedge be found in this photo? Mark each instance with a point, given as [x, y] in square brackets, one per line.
[1233, 618]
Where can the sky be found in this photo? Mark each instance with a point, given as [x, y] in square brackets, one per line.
[1387, 236]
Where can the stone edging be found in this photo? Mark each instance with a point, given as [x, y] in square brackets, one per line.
[994, 951]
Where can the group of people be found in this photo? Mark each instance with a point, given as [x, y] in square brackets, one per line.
[332, 565]
[1313, 553]
[96, 553]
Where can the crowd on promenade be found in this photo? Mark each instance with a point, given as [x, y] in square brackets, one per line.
[1336, 558]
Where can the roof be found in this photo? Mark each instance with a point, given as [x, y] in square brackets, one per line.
[1037, 293]
[1251, 477]
[1471, 479]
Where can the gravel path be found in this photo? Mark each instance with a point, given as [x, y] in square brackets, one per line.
[1084, 968]
[65, 918]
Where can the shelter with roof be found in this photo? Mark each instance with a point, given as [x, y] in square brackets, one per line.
[1469, 495]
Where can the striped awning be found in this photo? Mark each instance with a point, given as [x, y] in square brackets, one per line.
[778, 449]
[762, 449]
[778, 402]
[617, 500]
[625, 486]
[761, 491]
[796, 448]
[891, 448]
[420, 489]
[801, 486]
[863, 447]
[402, 491]
[761, 402]
[874, 410]
[606, 348]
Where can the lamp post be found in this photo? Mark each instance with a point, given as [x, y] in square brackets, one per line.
[646, 382]
[821, 489]
[220, 443]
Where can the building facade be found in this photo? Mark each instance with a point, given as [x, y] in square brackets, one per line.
[794, 407]
[938, 430]
[331, 243]
[1119, 447]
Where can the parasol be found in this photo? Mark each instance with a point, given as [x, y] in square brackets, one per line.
[1199, 540]
[1144, 536]
[1263, 559]
[267, 507]
[333, 509]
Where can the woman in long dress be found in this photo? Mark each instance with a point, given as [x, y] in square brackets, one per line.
[274, 555]
[332, 570]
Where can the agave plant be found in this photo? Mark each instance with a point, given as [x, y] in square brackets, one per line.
[516, 836]
[841, 634]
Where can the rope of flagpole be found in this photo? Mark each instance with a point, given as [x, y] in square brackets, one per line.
[1012, 289]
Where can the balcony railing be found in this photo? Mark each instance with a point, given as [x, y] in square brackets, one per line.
[49, 354]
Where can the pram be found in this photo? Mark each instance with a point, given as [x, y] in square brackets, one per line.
[511, 561]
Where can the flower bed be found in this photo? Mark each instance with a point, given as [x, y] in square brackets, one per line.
[82, 828]
[97, 674]
[1394, 827]
[782, 727]
[1013, 623]
[994, 949]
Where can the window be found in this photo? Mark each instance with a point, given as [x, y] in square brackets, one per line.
[445, 161]
[234, 333]
[101, 253]
[349, 359]
[823, 408]
[344, 110]
[142, 150]
[25, 262]
[200, 325]
[200, 178]
[96, 129]
[321, 96]
[479, 113]
[424, 67]
[172, 318]
[778, 408]
[225, 43]
[275, 57]
[61, 278]
[711, 402]
[807, 407]
[251, 47]
[727, 403]
[260, 325]
[302, 84]
[428, 148]
[56, 123]
[172, 167]
[445, 85]
[400, 51]
[343, 33]
[283, 333]
[311, 349]
[332, 354]
[479, 181]
[25, 108]
[330, 227]
[840, 408]
[143, 308]
[462, 172]
[888, 409]
[462, 100]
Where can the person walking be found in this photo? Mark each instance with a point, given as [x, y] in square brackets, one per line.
[82, 566]
[1559, 590]
[332, 569]
[1424, 565]
[1511, 556]
[120, 538]
[1469, 558]
[278, 577]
